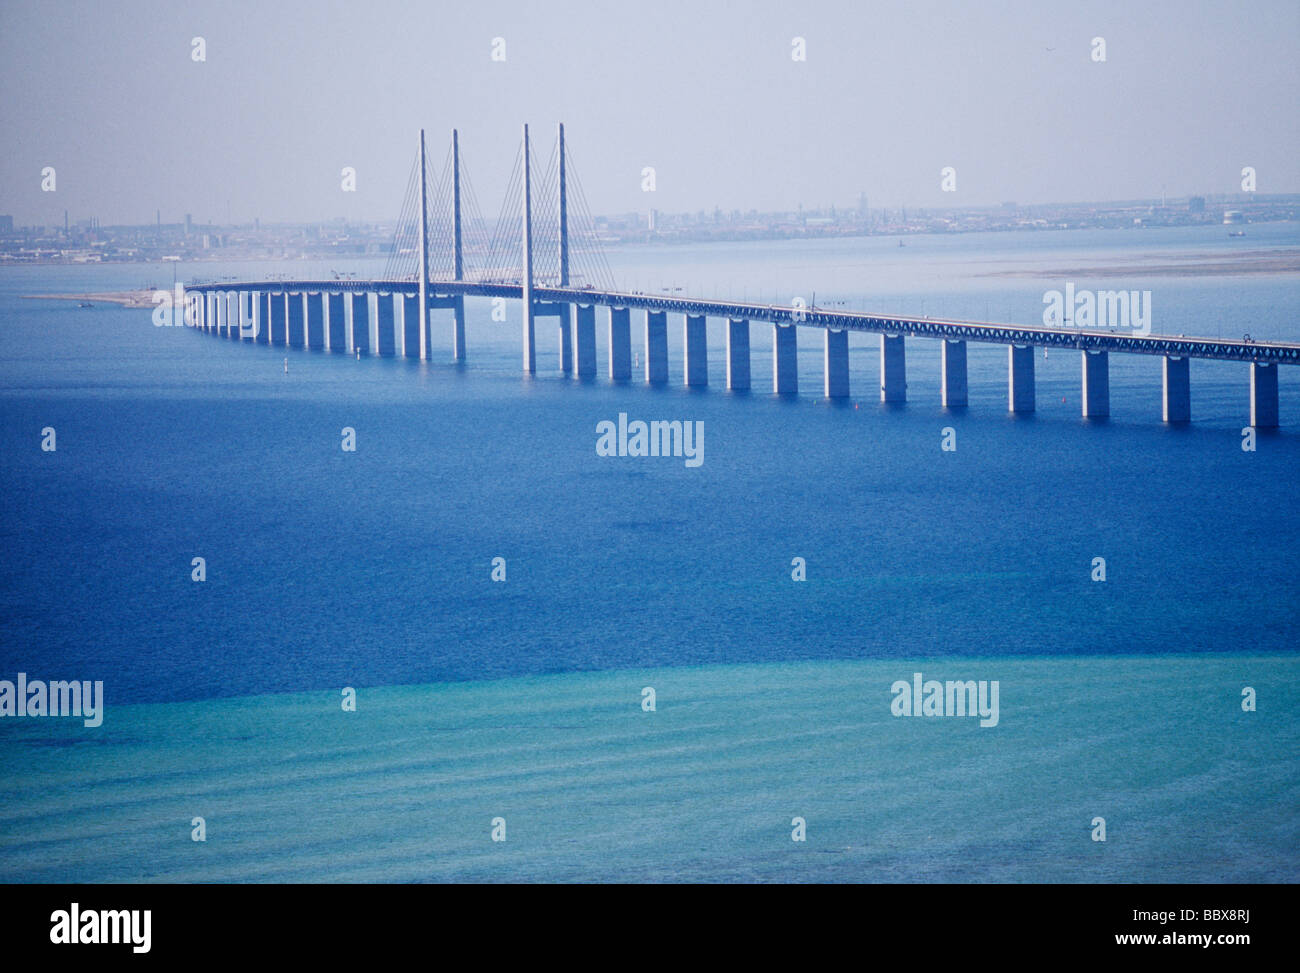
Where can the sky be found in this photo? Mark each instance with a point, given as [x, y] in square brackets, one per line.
[706, 92]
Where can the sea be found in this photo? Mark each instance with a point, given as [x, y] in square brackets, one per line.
[647, 693]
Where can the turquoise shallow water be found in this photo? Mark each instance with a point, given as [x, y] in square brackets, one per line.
[293, 788]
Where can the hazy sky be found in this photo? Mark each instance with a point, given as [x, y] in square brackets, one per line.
[1007, 93]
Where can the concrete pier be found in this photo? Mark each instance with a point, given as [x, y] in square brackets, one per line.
[256, 305]
[360, 307]
[458, 330]
[209, 312]
[566, 339]
[893, 369]
[410, 331]
[1020, 378]
[1263, 395]
[242, 316]
[620, 344]
[1096, 384]
[336, 338]
[1177, 390]
[785, 359]
[530, 341]
[315, 320]
[277, 332]
[656, 347]
[695, 339]
[835, 364]
[386, 324]
[584, 341]
[232, 315]
[264, 303]
[738, 355]
[296, 323]
[952, 374]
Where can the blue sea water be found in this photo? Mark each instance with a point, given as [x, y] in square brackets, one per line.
[371, 570]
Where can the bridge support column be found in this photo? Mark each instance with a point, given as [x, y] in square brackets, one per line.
[359, 323]
[893, 368]
[1263, 395]
[209, 312]
[566, 339]
[386, 325]
[1020, 378]
[256, 305]
[620, 344]
[584, 341]
[239, 317]
[316, 321]
[231, 318]
[835, 362]
[738, 355]
[223, 311]
[1096, 384]
[458, 329]
[695, 339]
[530, 336]
[785, 359]
[952, 374]
[1178, 390]
[264, 302]
[278, 320]
[656, 347]
[410, 330]
[335, 325]
[297, 317]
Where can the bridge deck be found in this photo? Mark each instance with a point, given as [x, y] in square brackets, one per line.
[923, 327]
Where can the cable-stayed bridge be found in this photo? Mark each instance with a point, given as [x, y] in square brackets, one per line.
[543, 250]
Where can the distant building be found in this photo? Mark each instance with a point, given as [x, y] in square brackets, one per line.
[1233, 216]
[6, 224]
[189, 224]
[1196, 204]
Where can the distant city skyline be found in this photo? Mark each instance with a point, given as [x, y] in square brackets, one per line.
[712, 98]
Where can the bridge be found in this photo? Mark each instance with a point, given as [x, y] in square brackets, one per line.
[543, 252]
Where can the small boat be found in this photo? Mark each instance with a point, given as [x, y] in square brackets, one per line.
[85, 304]
[1236, 233]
